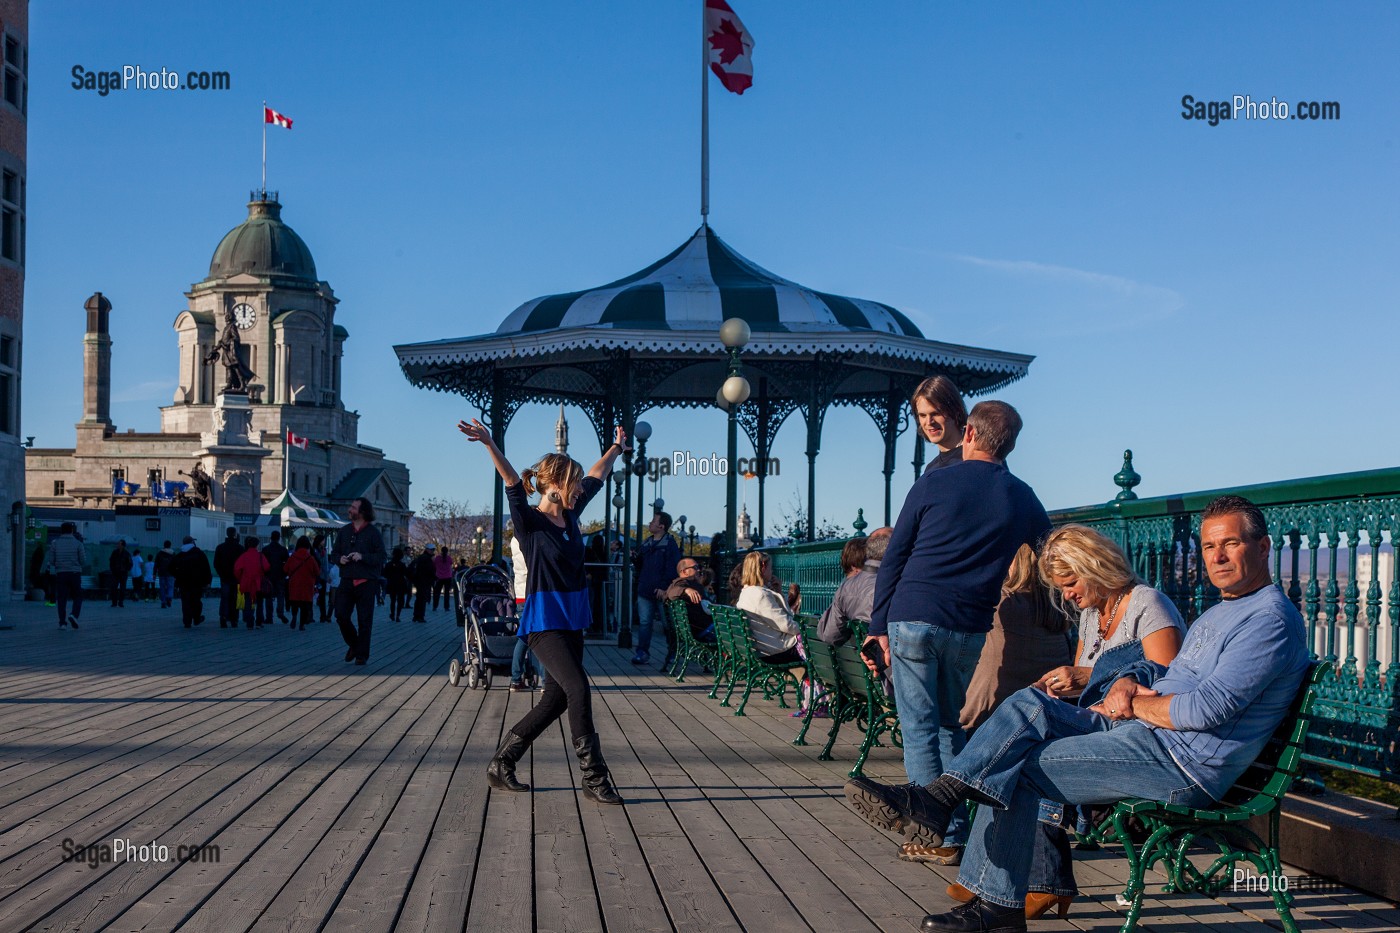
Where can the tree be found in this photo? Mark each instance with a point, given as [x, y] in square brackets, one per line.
[792, 523]
[450, 523]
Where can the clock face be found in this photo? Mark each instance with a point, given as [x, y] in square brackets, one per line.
[244, 316]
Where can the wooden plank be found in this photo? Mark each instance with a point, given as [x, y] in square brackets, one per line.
[437, 898]
[128, 877]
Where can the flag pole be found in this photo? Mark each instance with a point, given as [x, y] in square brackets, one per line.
[264, 164]
[286, 461]
[704, 123]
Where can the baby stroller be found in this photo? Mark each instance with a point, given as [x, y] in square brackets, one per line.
[487, 605]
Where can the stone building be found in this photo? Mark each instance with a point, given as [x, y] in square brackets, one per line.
[14, 109]
[262, 277]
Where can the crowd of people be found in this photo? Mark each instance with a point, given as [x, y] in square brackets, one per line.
[260, 582]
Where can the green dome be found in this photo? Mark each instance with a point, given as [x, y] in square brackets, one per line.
[263, 245]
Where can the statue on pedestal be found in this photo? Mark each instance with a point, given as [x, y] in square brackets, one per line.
[237, 375]
[199, 499]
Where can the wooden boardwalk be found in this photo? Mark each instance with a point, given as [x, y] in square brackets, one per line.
[349, 798]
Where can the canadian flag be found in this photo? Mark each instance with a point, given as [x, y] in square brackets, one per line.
[295, 441]
[730, 45]
[272, 116]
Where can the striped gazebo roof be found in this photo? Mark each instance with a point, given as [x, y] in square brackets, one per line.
[695, 288]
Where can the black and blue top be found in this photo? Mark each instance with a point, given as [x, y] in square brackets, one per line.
[556, 589]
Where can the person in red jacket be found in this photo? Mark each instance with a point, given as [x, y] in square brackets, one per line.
[249, 570]
[302, 570]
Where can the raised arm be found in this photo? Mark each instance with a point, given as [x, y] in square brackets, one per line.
[476, 431]
[603, 467]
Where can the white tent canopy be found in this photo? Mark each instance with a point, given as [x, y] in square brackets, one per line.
[287, 511]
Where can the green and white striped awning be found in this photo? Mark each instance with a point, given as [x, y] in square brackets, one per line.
[287, 511]
[696, 287]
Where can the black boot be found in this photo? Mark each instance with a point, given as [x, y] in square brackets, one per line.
[597, 783]
[501, 772]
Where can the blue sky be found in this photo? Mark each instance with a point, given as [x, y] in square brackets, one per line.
[1220, 299]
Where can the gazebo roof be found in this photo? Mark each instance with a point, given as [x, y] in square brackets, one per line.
[666, 318]
[696, 287]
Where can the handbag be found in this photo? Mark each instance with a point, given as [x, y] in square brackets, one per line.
[239, 604]
[265, 588]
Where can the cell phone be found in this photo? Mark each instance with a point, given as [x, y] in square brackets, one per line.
[872, 650]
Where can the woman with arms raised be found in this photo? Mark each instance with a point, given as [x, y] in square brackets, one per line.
[556, 609]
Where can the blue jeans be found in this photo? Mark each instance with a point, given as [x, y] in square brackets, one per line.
[649, 612]
[1035, 746]
[517, 662]
[932, 667]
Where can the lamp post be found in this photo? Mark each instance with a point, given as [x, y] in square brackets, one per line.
[692, 541]
[624, 632]
[734, 334]
[681, 521]
[642, 431]
[480, 540]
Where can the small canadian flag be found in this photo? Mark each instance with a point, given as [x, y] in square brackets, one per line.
[296, 441]
[272, 116]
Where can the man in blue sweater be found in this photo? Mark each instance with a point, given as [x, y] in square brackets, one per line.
[655, 560]
[1181, 734]
[938, 587]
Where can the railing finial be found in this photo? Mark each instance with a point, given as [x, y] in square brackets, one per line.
[1126, 478]
[859, 524]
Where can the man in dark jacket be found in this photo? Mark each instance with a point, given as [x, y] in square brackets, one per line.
[359, 552]
[687, 586]
[655, 560]
[276, 555]
[225, 556]
[165, 580]
[422, 575]
[192, 575]
[120, 566]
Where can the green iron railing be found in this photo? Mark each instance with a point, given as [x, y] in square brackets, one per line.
[1333, 555]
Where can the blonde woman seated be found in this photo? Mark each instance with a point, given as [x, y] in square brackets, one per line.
[1121, 619]
[770, 618]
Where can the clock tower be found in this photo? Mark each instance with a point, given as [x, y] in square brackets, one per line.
[263, 278]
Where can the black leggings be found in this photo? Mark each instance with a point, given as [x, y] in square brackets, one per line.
[566, 687]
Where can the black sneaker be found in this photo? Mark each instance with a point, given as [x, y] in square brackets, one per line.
[72, 620]
[900, 808]
[977, 916]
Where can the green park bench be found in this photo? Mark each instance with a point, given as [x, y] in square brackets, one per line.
[746, 665]
[688, 649]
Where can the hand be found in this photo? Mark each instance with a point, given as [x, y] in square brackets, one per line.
[1064, 681]
[344, 559]
[620, 439]
[692, 596]
[659, 594]
[1117, 704]
[884, 643]
[475, 431]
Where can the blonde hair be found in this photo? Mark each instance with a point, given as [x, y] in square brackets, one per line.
[1021, 575]
[1080, 551]
[554, 471]
[752, 574]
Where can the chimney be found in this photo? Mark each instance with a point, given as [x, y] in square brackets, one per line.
[97, 363]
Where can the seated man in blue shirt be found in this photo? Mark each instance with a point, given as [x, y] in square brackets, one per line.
[1181, 734]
